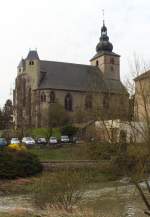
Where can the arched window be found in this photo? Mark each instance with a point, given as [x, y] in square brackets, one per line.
[43, 97]
[106, 101]
[52, 97]
[68, 102]
[31, 63]
[97, 63]
[88, 102]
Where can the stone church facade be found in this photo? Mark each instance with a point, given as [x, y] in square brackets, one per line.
[96, 87]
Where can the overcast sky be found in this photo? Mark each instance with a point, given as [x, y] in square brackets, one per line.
[68, 31]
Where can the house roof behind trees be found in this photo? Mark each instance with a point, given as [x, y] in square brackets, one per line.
[143, 76]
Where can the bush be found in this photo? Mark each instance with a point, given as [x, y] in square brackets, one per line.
[133, 162]
[69, 130]
[101, 151]
[62, 189]
[17, 147]
[15, 164]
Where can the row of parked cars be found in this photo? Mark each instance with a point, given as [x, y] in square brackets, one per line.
[41, 141]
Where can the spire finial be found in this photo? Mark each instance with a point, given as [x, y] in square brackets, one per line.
[103, 13]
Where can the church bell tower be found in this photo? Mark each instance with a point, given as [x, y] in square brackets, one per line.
[105, 59]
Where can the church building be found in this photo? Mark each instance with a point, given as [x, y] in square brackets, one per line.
[94, 88]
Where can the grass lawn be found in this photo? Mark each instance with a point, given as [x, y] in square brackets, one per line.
[24, 186]
[66, 152]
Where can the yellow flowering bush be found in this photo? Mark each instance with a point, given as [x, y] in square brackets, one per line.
[17, 147]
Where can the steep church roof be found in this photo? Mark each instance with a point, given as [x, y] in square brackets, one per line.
[69, 76]
[76, 77]
[115, 86]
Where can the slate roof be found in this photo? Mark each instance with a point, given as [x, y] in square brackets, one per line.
[104, 53]
[115, 86]
[76, 77]
[32, 55]
[22, 63]
[143, 76]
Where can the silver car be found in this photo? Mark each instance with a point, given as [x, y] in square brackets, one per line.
[28, 141]
[64, 139]
[53, 140]
[14, 141]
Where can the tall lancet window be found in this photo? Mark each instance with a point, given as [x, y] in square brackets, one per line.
[68, 102]
[88, 102]
[52, 97]
[106, 100]
[43, 97]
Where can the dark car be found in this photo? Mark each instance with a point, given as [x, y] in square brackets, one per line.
[3, 142]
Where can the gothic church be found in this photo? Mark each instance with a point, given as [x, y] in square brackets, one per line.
[77, 87]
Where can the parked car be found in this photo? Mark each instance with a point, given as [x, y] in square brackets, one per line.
[41, 140]
[74, 140]
[53, 140]
[64, 139]
[28, 141]
[3, 142]
[14, 141]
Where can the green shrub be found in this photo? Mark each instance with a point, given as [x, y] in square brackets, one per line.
[133, 162]
[69, 130]
[39, 132]
[101, 151]
[15, 164]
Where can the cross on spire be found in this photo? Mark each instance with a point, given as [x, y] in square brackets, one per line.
[103, 13]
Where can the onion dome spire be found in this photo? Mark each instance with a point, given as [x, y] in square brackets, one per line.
[104, 44]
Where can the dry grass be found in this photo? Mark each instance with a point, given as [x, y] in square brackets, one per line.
[18, 212]
[53, 212]
[57, 212]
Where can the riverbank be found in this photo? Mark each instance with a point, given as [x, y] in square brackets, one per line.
[102, 197]
[106, 202]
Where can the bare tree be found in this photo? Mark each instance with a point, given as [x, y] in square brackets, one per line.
[139, 125]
